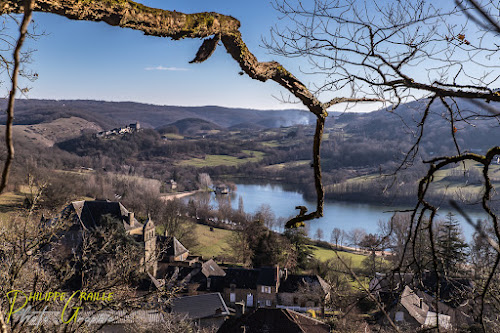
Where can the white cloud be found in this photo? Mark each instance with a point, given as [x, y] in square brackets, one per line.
[162, 68]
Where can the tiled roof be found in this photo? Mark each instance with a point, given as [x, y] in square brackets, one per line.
[210, 268]
[414, 305]
[90, 213]
[274, 321]
[267, 276]
[172, 246]
[241, 278]
[294, 282]
[200, 306]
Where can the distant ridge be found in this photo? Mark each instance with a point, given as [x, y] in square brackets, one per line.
[114, 114]
[189, 126]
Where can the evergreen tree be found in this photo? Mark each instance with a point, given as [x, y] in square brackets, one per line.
[452, 250]
[298, 238]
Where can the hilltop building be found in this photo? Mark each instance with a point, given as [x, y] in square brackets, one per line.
[170, 185]
[131, 128]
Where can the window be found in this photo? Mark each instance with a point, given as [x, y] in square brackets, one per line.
[400, 316]
[232, 297]
[266, 290]
[249, 299]
[268, 302]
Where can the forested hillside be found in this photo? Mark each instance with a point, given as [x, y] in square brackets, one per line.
[357, 150]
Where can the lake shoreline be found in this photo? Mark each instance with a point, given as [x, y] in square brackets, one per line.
[405, 203]
[345, 215]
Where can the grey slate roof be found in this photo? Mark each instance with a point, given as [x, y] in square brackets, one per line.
[294, 282]
[92, 318]
[241, 278]
[273, 321]
[268, 276]
[411, 302]
[172, 247]
[210, 268]
[90, 213]
[200, 306]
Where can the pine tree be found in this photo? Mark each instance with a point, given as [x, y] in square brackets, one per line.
[451, 248]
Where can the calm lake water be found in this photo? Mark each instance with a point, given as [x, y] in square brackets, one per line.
[343, 215]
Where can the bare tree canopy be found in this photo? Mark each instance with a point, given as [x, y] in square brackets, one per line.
[400, 51]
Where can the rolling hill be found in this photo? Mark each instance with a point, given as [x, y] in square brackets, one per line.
[114, 114]
[189, 126]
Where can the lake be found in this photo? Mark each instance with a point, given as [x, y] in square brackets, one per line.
[342, 215]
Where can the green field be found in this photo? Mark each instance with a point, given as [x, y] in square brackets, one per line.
[173, 136]
[272, 143]
[216, 243]
[281, 166]
[211, 243]
[226, 160]
[323, 254]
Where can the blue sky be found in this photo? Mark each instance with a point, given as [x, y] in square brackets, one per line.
[89, 60]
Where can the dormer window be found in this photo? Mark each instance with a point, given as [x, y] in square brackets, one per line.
[265, 289]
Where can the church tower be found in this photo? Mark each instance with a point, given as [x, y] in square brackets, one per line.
[149, 236]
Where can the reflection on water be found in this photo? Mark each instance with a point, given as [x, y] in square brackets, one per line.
[343, 215]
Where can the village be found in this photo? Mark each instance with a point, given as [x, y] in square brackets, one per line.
[216, 297]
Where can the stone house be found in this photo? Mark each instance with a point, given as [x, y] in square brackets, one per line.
[238, 285]
[85, 216]
[411, 311]
[272, 287]
[192, 280]
[411, 301]
[303, 292]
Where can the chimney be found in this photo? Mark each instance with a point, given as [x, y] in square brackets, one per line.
[240, 309]
[130, 218]
[420, 302]
[277, 277]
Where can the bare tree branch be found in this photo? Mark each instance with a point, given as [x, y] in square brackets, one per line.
[28, 9]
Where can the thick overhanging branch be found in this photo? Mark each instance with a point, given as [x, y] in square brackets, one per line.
[214, 27]
[176, 25]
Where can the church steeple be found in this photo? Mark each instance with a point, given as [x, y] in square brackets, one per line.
[149, 236]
